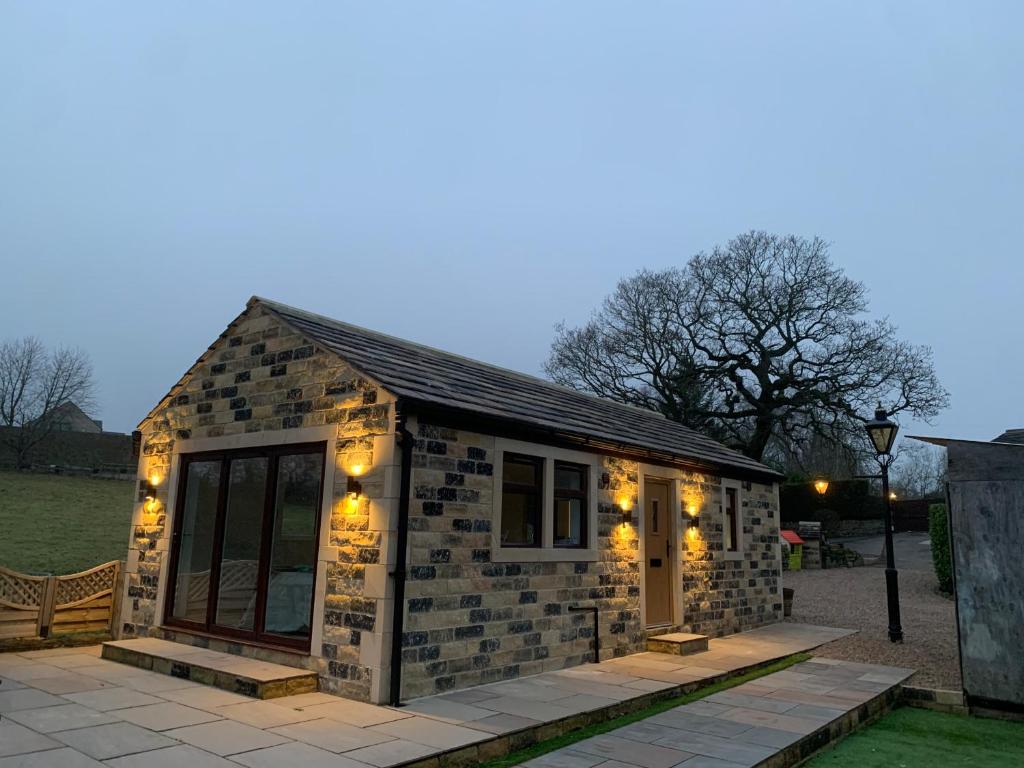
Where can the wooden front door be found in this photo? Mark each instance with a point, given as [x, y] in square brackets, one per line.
[657, 552]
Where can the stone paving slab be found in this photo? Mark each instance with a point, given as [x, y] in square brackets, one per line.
[744, 726]
[102, 713]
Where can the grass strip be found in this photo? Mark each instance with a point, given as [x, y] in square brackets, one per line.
[920, 738]
[572, 737]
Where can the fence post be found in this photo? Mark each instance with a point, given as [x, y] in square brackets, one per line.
[46, 606]
[115, 601]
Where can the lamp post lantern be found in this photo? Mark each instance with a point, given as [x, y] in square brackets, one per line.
[882, 432]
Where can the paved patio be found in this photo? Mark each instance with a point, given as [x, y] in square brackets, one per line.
[778, 719]
[69, 708]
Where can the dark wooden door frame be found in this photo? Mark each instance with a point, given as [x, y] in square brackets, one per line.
[257, 635]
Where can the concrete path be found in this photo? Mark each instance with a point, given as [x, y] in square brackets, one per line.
[67, 708]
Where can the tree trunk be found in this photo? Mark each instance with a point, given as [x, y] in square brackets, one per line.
[759, 440]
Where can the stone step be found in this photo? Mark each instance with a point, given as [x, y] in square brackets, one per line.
[249, 677]
[678, 643]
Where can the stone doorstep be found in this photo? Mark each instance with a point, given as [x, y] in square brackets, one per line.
[677, 643]
[273, 681]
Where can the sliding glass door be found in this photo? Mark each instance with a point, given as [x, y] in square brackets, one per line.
[243, 554]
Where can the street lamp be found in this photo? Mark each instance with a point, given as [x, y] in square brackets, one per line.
[883, 434]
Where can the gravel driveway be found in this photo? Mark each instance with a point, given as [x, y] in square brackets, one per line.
[854, 598]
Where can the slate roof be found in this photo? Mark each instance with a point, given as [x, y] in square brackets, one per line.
[1011, 436]
[429, 376]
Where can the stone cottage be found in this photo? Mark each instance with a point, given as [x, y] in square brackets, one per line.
[404, 521]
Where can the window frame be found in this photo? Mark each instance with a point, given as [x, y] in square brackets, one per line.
[567, 493]
[538, 489]
[258, 635]
[546, 551]
[737, 552]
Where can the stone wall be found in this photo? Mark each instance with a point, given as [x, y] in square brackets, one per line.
[470, 620]
[722, 595]
[262, 377]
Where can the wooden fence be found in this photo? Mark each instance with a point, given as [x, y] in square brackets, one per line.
[40, 606]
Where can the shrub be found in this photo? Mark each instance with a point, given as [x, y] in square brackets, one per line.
[938, 532]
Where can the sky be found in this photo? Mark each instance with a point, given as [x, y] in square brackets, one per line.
[467, 175]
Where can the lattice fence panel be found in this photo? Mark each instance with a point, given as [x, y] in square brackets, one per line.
[88, 584]
[21, 589]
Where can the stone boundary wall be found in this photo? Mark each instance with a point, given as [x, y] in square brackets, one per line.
[854, 528]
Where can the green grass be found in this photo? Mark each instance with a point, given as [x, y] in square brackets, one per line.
[567, 739]
[913, 738]
[57, 524]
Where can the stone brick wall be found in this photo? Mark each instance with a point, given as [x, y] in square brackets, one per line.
[472, 621]
[262, 377]
[722, 595]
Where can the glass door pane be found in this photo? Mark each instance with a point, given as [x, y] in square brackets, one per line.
[293, 551]
[240, 551]
[195, 544]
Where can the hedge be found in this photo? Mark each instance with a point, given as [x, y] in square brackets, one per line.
[844, 500]
[938, 532]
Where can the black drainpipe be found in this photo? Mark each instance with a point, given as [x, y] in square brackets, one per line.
[405, 441]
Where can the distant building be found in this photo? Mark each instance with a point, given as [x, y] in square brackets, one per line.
[1011, 436]
[70, 418]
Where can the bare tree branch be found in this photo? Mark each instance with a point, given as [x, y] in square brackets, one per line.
[763, 341]
[34, 382]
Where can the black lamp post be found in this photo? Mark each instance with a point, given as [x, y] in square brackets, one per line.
[883, 434]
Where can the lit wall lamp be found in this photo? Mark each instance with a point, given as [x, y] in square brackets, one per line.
[353, 488]
[821, 486]
[694, 521]
[148, 488]
[626, 508]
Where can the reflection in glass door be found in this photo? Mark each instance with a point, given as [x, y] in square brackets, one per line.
[293, 558]
[245, 543]
[240, 551]
[195, 541]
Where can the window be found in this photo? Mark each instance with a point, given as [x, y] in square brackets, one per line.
[570, 518]
[244, 545]
[731, 520]
[521, 500]
[545, 504]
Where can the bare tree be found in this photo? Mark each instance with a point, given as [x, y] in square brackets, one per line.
[34, 382]
[761, 340]
[919, 471]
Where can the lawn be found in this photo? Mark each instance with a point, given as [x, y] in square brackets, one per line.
[57, 524]
[911, 738]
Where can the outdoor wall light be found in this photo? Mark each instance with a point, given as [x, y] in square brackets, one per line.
[626, 509]
[694, 521]
[148, 487]
[821, 486]
[353, 488]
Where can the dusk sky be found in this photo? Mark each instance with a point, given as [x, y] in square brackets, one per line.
[469, 174]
